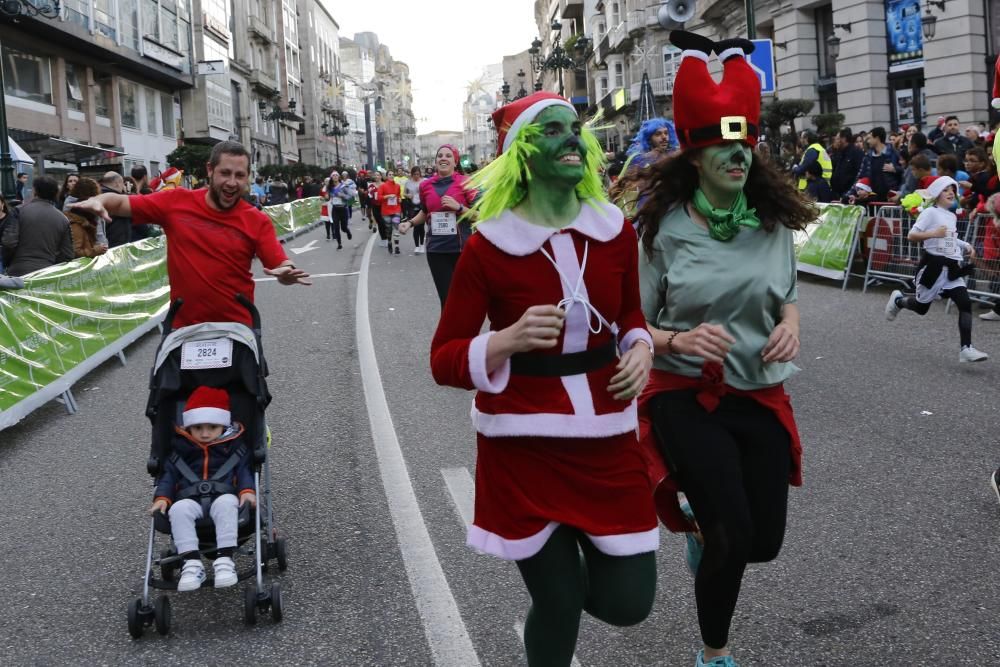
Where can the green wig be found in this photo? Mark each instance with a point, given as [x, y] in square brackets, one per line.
[504, 182]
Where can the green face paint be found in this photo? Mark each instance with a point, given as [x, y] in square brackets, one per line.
[723, 170]
[559, 161]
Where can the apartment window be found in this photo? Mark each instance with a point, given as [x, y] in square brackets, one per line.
[151, 104]
[824, 28]
[602, 87]
[150, 19]
[26, 76]
[78, 12]
[128, 95]
[74, 94]
[616, 14]
[104, 18]
[154, 168]
[102, 97]
[168, 27]
[671, 61]
[167, 114]
[601, 31]
[619, 75]
[128, 15]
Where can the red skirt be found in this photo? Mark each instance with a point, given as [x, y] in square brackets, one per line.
[526, 487]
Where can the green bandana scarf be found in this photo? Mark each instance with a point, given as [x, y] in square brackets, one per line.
[724, 224]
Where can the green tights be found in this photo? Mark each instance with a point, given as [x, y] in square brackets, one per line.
[563, 583]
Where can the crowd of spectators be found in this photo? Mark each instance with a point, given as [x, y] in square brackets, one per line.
[876, 166]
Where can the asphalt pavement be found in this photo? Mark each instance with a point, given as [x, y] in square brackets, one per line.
[890, 558]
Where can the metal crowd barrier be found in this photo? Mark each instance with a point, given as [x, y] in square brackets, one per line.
[984, 235]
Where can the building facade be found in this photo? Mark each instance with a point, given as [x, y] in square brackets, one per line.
[97, 88]
[325, 120]
[483, 97]
[428, 144]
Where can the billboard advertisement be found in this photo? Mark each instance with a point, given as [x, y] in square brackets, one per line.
[903, 34]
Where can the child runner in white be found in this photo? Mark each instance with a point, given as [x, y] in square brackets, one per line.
[943, 265]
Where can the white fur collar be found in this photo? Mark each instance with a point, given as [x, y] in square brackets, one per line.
[516, 236]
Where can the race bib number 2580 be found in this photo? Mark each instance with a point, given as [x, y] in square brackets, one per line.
[214, 353]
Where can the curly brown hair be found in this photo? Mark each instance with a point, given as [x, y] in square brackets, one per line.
[674, 179]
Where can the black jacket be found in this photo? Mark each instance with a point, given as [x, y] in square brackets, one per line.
[956, 144]
[119, 230]
[44, 238]
[846, 165]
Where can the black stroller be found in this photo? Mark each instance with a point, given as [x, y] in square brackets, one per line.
[230, 356]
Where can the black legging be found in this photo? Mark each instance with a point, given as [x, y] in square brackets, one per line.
[442, 266]
[615, 589]
[338, 222]
[383, 229]
[960, 297]
[733, 466]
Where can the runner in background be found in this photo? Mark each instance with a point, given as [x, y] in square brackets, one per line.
[411, 206]
[390, 197]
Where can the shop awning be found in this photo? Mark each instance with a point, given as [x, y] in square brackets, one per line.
[17, 153]
[61, 150]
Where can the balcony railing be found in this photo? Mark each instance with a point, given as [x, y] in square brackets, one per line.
[261, 29]
[635, 23]
[617, 35]
[662, 87]
[263, 81]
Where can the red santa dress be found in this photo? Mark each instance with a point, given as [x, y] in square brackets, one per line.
[551, 450]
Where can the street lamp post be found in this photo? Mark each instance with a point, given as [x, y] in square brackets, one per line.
[277, 114]
[559, 58]
[338, 128]
[14, 9]
[520, 82]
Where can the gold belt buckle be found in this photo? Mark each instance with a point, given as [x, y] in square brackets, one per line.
[734, 128]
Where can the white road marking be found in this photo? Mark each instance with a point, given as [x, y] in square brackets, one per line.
[519, 629]
[462, 490]
[444, 628]
[315, 275]
[306, 248]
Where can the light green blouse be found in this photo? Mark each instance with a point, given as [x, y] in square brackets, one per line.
[740, 284]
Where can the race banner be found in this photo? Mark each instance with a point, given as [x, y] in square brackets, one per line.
[72, 317]
[824, 248]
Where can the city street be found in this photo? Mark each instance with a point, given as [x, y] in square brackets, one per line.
[891, 555]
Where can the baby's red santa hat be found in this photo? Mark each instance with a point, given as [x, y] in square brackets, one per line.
[864, 184]
[509, 119]
[995, 102]
[708, 113]
[207, 405]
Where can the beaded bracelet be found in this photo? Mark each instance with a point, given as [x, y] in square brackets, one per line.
[670, 341]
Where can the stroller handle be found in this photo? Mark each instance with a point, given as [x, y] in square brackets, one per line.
[252, 309]
[168, 320]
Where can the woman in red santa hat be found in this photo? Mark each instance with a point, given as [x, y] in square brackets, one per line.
[717, 274]
[561, 485]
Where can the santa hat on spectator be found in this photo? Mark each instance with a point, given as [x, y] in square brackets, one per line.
[863, 185]
[207, 405]
[995, 101]
[708, 113]
[938, 186]
[511, 118]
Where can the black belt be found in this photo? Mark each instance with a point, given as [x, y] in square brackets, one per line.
[559, 365]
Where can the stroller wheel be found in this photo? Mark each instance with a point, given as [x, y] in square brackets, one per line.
[281, 553]
[161, 612]
[135, 624]
[250, 605]
[277, 613]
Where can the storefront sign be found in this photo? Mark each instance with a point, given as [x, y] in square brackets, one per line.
[903, 34]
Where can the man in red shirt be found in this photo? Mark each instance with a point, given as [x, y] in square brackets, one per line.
[213, 236]
[390, 200]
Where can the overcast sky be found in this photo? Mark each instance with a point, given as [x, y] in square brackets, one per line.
[446, 43]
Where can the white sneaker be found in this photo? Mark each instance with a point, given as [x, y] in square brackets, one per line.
[990, 316]
[192, 576]
[384, 244]
[891, 309]
[419, 250]
[225, 572]
[972, 354]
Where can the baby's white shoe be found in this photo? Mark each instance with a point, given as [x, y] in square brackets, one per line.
[192, 576]
[225, 572]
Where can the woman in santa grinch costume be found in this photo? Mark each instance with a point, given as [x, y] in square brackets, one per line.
[718, 280]
[561, 484]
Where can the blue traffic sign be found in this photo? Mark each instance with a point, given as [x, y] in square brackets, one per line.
[762, 62]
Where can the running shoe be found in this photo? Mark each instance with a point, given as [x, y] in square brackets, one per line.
[721, 661]
[990, 316]
[225, 572]
[693, 549]
[349, 237]
[995, 482]
[397, 250]
[892, 308]
[192, 576]
[970, 353]
[419, 250]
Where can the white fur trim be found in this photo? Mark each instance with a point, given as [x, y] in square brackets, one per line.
[529, 115]
[634, 336]
[729, 53]
[207, 416]
[628, 544]
[692, 53]
[491, 543]
[935, 189]
[995, 103]
[491, 384]
[516, 236]
[551, 425]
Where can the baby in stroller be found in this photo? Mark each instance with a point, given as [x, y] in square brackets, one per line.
[211, 465]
